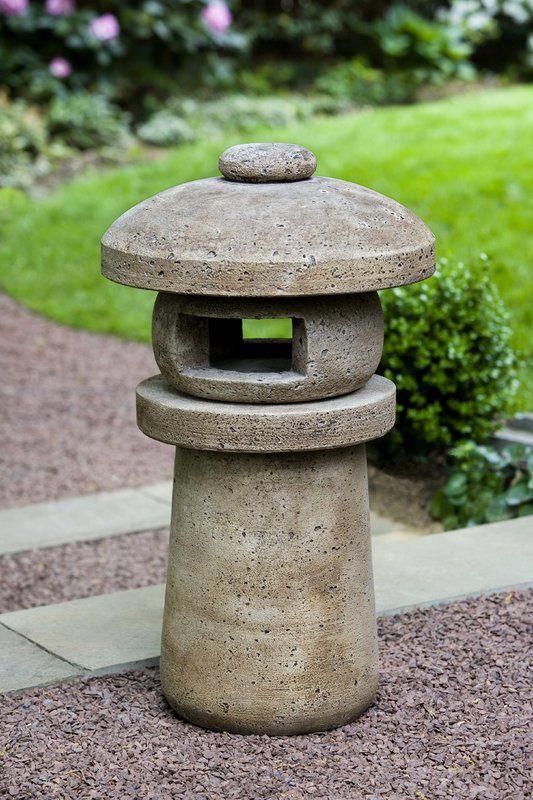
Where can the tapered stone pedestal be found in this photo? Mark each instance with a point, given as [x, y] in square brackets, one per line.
[269, 622]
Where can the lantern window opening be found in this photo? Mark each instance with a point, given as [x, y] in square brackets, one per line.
[253, 346]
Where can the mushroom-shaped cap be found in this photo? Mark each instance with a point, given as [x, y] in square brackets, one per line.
[267, 228]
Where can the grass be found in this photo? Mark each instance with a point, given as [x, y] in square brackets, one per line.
[463, 164]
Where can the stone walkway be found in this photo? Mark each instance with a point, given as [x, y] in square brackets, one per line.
[114, 632]
[450, 723]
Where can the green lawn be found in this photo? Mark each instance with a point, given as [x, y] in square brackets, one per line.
[464, 164]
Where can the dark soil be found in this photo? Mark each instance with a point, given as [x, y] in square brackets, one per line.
[67, 411]
[451, 722]
[82, 569]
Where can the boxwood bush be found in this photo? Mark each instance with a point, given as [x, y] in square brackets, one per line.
[447, 350]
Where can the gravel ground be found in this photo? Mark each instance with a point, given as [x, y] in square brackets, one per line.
[450, 722]
[67, 411]
[41, 577]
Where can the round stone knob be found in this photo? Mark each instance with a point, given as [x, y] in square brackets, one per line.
[267, 162]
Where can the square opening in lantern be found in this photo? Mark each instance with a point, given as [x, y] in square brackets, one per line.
[251, 345]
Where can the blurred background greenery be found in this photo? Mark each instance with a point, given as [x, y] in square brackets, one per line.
[105, 103]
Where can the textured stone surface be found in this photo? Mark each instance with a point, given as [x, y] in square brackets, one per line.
[431, 570]
[313, 237]
[270, 589]
[264, 162]
[267, 630]
[76, 519]
[168, 416]
[103, 632]
[336, 347]
[24, 664]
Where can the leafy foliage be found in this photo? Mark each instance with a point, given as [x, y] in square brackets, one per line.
[26, 152]
[186, 119]
[447, 349]
[485, 485]
[162, 47]
[164, 129]
[429, 49]
[358, 82]
[83, 120]
[22, 140]
[155, 37]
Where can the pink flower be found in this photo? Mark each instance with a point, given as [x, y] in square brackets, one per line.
[14, 8]
[60, 8]
[59, 67]
[105, 28]
[217, 16]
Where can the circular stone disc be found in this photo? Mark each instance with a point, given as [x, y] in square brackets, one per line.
[168, 416]
[309, 237]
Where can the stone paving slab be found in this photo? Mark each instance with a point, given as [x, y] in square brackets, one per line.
[100, 515]
[120, 631]
[78, 519]
[105, 633]
[444, 566]
[23, 664]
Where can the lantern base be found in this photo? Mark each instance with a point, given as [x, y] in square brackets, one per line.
[169, 416]
[269, 623]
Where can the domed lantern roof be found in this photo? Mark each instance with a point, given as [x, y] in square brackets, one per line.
[268, 227]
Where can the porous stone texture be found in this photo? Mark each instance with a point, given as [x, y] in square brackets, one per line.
[336, 347]
[264, 162]
[269, 589]
[314, 237]
[168, 416]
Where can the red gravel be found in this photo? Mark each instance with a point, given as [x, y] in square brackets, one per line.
[67, 411]
[82, 569]
[450, 722]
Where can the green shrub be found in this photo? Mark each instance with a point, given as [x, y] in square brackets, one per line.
[164, 46]
[154, 38]
[485, 485]
[85, 121]
[185, 119]
[428, 49]
[23, 144]
[165, 129]
[447, 350]
[359, 83]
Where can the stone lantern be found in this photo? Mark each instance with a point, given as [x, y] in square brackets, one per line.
[269, 622]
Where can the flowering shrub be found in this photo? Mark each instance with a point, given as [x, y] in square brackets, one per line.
[60, 67]
[50, 46]
[105, 28]
[502, 28]
[13, 8]
[217, 16]
[162, 47]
